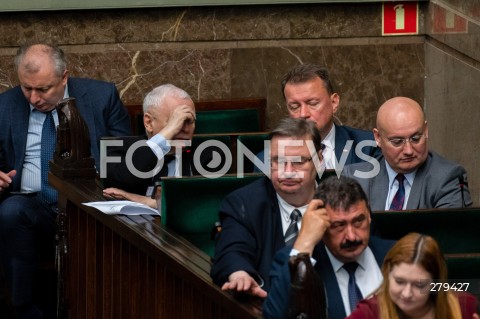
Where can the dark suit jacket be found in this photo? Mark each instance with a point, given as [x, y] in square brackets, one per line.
[97, 101]
[251, 232]
[145, 160]
[346, 133]
[436, 184]
[276, 304]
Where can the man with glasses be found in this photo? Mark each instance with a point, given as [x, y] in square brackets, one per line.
[409, 176]
[266, 215]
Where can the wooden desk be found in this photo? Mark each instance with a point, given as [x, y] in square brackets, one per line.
[133, 267]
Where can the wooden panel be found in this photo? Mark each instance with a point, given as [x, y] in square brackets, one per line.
[133, 267]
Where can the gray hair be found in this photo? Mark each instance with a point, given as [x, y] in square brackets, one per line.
[298, 127]
[54, 52]
[156, 96]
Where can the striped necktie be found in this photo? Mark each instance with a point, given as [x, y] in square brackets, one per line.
[292, 230]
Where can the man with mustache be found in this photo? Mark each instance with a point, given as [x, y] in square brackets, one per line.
[336, 234]
[424, 178]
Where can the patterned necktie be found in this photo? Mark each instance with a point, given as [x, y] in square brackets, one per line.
[354, 294]
[399, 198]
[292, 230]
[49, 194]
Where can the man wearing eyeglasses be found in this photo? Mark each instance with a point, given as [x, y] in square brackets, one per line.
[409, 176]
[264, 216]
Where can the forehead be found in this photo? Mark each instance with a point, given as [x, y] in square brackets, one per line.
[289, 143]
[356, 209]
[412, 272]
[314, 86]
[170, 103]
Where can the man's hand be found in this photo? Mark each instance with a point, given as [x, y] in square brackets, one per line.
[116, 193]
[241, 281]
[6, 179]
[315, 222]
[177, 119]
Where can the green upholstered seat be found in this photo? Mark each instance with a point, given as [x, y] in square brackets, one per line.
[255, 142]
[227, 121]
[456, 230]
[190, 205]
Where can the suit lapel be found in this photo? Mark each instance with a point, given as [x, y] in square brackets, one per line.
[341, 138]
[379, 189]
[85, 107]
[336, 309]
[21, 113]
[418, 186]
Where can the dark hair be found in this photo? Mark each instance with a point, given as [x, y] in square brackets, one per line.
[56, 54]
[299, 127]
[306, 72]
[340, 192]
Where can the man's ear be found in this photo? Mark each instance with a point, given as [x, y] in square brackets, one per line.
[335, 99]
[147, 122]
[376, 135]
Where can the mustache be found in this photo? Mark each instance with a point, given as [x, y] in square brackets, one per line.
[350, 244]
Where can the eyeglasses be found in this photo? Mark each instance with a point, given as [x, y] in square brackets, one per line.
[414, 140]
[296, 165]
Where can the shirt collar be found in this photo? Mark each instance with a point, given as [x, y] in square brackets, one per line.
[392, 174]
[286, 209]
[337, 264]
[329, 140]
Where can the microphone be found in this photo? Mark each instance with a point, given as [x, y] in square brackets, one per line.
[462, 184]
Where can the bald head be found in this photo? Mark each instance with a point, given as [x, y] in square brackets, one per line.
[32, 58]
[399, 110]
[402, 134]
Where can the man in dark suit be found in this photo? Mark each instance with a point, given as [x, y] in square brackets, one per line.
[255, 219]
[29, 216]
[336, 234]
[309, 94]
[427, 180]
[169, 117]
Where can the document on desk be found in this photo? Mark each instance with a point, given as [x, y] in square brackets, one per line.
[123, 207]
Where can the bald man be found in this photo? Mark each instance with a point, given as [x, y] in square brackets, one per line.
[422, 178]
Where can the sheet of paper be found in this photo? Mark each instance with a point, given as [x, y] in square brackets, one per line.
[122, 207]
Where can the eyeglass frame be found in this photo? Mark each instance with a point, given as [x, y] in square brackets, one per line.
[398, 142]
[296, 165]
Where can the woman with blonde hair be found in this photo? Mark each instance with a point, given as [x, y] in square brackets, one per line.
[414, 271]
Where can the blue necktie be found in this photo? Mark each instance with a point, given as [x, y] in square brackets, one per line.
[399, 198]
[46, 154]
[292, 230]
[354, 294]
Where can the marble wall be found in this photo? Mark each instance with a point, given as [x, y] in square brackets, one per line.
[452, 84]
[229, 52]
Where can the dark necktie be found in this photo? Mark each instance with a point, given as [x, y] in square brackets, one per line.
[354, 294]
[399, 198]
[292, 230]
[166, 160]
[49, 194]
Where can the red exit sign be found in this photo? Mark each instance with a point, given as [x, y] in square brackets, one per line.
[400, 18]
